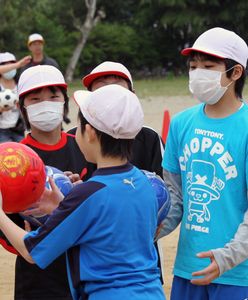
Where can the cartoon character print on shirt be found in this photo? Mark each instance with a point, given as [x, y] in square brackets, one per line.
[203, 187]
[209, 166]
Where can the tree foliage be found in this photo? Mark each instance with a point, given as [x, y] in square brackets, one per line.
[145, 35]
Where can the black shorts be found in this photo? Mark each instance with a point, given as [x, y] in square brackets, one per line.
[33, 283]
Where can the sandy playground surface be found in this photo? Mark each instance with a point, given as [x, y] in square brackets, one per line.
[153, 108]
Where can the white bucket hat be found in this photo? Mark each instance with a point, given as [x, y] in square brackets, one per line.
[7, 57]
[38, 77]
[113, 110]
[107, 68]
[221, 43]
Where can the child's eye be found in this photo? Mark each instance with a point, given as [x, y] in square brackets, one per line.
[192, 67]
[209, 66]
[54, 96]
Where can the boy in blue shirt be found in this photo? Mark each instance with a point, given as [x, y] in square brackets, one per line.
[206, 166]
[106, 224]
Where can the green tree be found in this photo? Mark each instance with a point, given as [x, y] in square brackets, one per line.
[146, 35]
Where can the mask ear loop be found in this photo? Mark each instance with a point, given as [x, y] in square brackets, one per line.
[227, 86]
[229, 69]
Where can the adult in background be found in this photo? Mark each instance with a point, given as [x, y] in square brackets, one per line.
[35, 45]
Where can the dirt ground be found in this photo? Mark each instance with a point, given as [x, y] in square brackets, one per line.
[154, 110]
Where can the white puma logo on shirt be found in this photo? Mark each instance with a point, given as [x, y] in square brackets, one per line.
[129, 181]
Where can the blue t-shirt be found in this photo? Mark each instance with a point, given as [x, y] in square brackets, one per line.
[108, 224]
[211, 157]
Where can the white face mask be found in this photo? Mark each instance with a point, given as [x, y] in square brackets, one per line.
[9, 75]
[46, 115]
[205, 85]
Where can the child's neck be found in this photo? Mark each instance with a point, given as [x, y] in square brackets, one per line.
[48, 138]
[8, 83]
[225, 107]
[106, 162]
[38, 57]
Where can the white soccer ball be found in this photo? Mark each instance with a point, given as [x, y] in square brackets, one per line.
[8, 99]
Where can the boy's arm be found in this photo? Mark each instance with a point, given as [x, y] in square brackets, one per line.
[174, 217]
[15, 235]
[234, 252]
[4, 242]
[226, 258]
[15, 65]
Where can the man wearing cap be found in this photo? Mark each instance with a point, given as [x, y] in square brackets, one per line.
[36, 46]
[206, 167]
[106, 224]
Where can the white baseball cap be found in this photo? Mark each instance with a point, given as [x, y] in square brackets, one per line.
[221, 43]
[38, 77]
[35, 37]
[107, 68]
[113, 110]
[7, 57]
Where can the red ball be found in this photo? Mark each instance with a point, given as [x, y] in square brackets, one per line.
[22, 176]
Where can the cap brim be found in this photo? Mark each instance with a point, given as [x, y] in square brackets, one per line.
[88, 79]
[187, 51]
[30, 42]
[64, 85]
[79, 97]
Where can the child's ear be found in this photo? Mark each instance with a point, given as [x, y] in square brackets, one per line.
[90, 133]
[237, 72]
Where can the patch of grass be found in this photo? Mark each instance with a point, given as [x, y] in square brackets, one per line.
[145, 88]
[169, 86]
[75, 85]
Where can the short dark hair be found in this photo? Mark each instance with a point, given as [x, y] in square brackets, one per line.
[53, 90]
[112, 75]
[109, 146]
[229, 64]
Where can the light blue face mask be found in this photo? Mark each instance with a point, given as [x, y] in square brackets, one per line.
[9, 75]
